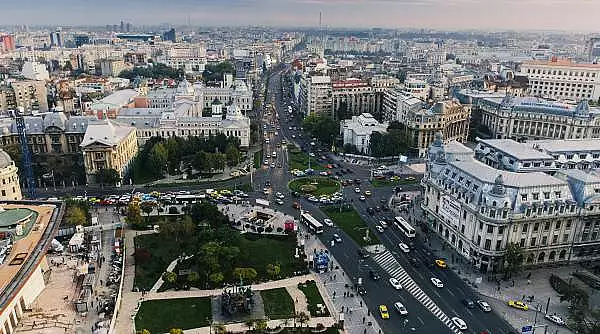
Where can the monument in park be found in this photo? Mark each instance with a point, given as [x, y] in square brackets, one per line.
[237, 300]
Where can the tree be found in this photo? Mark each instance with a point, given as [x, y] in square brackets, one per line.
[260, 324]
[513, 259]
[302, 318]
[107, 176]
[68, 66]
[147, 207]
[134, 216]
[247, 275]
[176, 331]
[143, 331]
[157, 159]
[273, 270]
[75, 216]
[233, 155]
[249, 323]
[216, 278]
[169, 277]
[142, 255]
[321, 127]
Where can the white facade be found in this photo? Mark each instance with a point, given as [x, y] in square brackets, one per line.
[562, 79]
[357, 131]
[316, 95]
[10, 188]
[35, 71]
[478, 210]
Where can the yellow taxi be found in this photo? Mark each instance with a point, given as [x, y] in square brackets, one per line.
[441, 263]
[518, 304]
[383, 311]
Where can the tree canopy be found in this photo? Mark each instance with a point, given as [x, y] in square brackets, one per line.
[215, 72]
[321, 127]
[157, 71]
[395, 142]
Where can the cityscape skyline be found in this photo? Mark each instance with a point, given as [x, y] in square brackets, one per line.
[437, 14]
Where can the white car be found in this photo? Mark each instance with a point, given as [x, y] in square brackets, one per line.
[383, 224]
[278, 201]
[357, 190]
[555, 319]
[394, 282]
[458, 322]
[362, 198]
[272, 165]
[379, 229]
[280, 195]
[323, 173]
[484, 306]
[437, 282]
[328, 222]
[400, 308]
[404, 247]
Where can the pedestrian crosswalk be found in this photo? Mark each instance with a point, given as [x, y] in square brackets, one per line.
[387, 261]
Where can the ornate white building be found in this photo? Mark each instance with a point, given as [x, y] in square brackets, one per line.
[478, 210]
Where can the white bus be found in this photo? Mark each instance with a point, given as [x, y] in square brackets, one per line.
[405, 227]
[311, 222]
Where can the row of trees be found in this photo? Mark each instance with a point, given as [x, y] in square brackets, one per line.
[395, 142]
[214, 73]
[206, 154]
[156, 71]
[321, 127]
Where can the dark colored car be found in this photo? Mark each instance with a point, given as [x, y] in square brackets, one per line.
[374, 275]
[470, 304]
[415, 262]
[363, 253]
[361, 290]
[370, 210]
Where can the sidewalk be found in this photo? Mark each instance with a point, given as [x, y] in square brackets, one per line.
[498, 292]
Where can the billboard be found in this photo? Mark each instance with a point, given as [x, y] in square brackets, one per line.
[450, 209]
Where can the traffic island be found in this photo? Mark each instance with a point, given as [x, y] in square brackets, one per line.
[350, 222]
[315, 186]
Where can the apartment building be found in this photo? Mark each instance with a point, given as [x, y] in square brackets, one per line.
[10, 188]
[562, 79]
[29, 95]
[316, 95]
[479, 210]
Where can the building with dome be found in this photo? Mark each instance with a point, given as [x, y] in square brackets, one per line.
[479, 210]
[10, 188]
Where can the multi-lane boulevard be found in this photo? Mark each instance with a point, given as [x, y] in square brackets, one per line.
[429, 307]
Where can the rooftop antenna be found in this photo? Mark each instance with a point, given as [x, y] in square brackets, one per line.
[322, 34]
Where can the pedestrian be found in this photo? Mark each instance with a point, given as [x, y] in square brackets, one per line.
[34, 323]
[364, 320]
[342, 309]
[365, 331]
[361, 303]
[334, 276]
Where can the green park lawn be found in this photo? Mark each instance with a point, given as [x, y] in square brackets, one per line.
[349, 221]
[278, 303]
[299, 160]
[313, 297]
[390, 183]
[163, 252]
[160, 315]
[324, 186]
[257, 160]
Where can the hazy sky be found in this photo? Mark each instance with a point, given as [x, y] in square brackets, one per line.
[449, 14]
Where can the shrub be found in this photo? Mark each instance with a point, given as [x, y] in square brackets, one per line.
[280, 229]
[269, 229]
[173, 210]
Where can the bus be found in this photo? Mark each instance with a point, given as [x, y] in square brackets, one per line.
[405, 227]
[311, 222]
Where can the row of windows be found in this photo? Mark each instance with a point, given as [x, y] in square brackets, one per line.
[547, 226]
[536, 196]
[560, 72]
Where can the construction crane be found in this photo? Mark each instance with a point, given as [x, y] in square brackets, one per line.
[28, 169]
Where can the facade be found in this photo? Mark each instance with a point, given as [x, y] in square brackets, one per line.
[112, 67]
[316, 95]
[479, 210]
[562, 79]
[108, 146]
[35, 71]
[357, 131]
[532, 118]
[450, 117]
[29, 95]
[10, 188]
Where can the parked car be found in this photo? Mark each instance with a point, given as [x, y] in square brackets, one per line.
[395, 283]
[437, 282]
[400, 308]
[470, 304]
[484, 306]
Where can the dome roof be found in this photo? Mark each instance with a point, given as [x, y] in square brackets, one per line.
[5, 159]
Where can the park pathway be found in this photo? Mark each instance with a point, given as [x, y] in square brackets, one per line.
[300, 302]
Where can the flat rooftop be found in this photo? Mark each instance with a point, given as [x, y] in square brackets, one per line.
[29, 249]
[567, 145]
[519, 151]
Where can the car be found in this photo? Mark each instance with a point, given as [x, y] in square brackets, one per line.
[470, 304]
[328, 222]
[357, 190]
[272, 165]
[395, 283]
[400, 308]
[374, 275]
[371, 211]
[383, 311]
[280, 195]
[518, 304]
[555, 319]
[363, 253]
[266, 162]
[361, 290]
[458, 322]
[336, 237]
[362, 198]
[437, 282]
[484, 306]
[441, 263]
[383, 223]
[379, 229]
[415, 262]
[265, 191]
[278, 201]
[368, 193]
[403, 247]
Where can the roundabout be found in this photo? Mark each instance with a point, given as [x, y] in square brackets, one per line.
[315, 185]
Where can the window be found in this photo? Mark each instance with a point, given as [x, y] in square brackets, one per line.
[480, 225]
[557, 194]
[533, 240]
[536, 227]
[524, 230]
[565, 237]
[488, 244]
[568, 226]
[500, 230]
[555, 239]
[582, 156]
[522, 243]
[547, 226]
[478, 240]
[536, 196]
[546, 195]
[544, 240]
[558, 225]
[462, 229]
[490, 229]
[524, 197]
